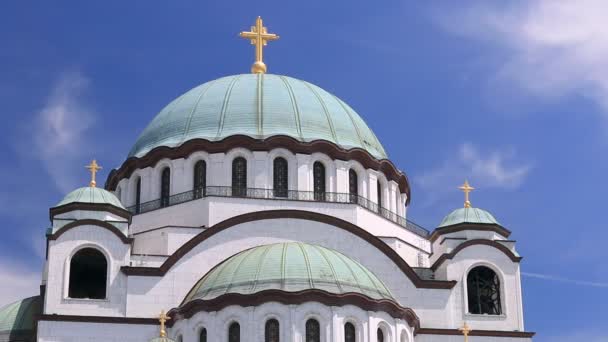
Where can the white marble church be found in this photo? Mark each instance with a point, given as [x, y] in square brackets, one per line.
[259, 207]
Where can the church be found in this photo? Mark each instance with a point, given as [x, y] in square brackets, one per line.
[260, 207]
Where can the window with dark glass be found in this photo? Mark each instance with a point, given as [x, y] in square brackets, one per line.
[200, 178]
[180, 338]
[319, 181]
[203, 335]
[165, 187]
[313, 331]
[280, 181]
[349, 332]
[380, 335]
[88, 273]
[272, 331]
[379, 194]
[483, 290]
[239, 177]
[353, 186]
[234, 332]
[138, 195]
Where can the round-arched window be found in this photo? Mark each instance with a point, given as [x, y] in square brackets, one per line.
[88, 274]
[271, 331]
[313, 331]
[234, 332]
[349, 332]
[483, 291]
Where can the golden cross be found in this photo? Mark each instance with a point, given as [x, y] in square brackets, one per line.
[259, 37]
[93, 168]
[162, 319]
[465, 330]
[466, 188]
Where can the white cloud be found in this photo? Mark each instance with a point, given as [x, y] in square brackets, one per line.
[484, 169]
[60, 129]
[564, 280]
[547, 48]
[17, 283]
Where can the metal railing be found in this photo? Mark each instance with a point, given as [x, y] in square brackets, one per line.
[272, 194]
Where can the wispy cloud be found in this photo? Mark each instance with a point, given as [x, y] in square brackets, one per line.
[564, 280]
[546, 48]
[17, 283]
[61, 127]
[498, 168]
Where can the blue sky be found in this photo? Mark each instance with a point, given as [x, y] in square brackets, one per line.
[511, 96]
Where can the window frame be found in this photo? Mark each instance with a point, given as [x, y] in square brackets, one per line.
[68, 270]
[501, 288]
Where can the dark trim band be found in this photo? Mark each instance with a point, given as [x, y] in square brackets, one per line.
[313, 295]
[488, 333]
[293, 214]
[484, 227]
[474, 242]
[124, 213]
[97, 319]
[84, 222]
[278, 141]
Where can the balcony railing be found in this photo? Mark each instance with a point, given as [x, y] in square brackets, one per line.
[284, 195]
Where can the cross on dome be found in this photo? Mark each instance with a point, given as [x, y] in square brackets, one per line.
[93, 168]
[466, 188]
[162, 319]
[259, 37]
[465, 330]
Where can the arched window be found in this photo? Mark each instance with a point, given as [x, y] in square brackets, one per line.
[165, 187]
[403, 336]
[483, 290]
[380, 335]
[203, 335]
[379, 194]
[234, 332]
[200, 178]
[280, 180]
[318, 170]
[239, 177]
[180, 338]
[353, 186]
[272, 331]
[88, 269]
[313, 331]
[138, 195]
[349, 332]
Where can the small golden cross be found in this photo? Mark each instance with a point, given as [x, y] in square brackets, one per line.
[466, 188]
[465, 331]
[93, 168]
[259, 37]
[162, 319]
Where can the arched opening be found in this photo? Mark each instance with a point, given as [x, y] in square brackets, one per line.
[165, 187]
[319, 181]
[271, 331]
[239, 177]
[379, 195]
[202, 337]
[138, 195]
[353, 186]
[280, 177]
[403, 336]
[380, 335]
[200, 179]
[483, 291]
[88, 274]
[234, 332]
[180, 338]
[349, 332]
[313, 331]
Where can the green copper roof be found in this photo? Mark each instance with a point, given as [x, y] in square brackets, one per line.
[259, 106]
[90, 194]
[17, 319]
[468, 215]
[291, 267]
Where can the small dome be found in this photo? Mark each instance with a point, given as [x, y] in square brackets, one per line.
[17, 319]
[468, 215]
[91, 195]
[259, 106]
[290, 267]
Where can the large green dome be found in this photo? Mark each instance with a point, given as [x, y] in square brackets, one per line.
[290, 267]
[259, 106]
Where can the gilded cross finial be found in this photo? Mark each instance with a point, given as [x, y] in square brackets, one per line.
[466, 188]
[465, 330]
[259, 37]
[162, 319]
[93, 168]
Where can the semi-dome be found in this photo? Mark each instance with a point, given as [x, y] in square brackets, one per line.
[290, 267]
[91, 195]
[17, 320]
[259, 106]
[468, 215]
